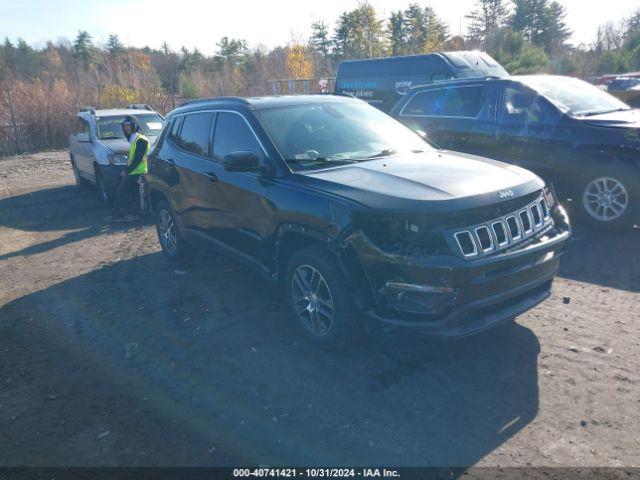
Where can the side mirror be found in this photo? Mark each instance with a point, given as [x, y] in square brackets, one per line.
[83, 137]
[241, 161]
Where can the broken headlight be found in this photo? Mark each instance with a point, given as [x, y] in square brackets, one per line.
[402, 235]
[549, 196]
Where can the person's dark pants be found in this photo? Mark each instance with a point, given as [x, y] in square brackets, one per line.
[126, 191]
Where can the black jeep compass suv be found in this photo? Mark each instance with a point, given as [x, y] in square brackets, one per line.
[355, 215]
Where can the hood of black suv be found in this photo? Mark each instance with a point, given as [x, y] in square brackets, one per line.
[446, 181]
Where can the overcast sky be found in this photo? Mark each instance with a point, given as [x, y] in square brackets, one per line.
[200, 23]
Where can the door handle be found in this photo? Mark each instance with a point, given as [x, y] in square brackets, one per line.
[170, 162]
[211, 176]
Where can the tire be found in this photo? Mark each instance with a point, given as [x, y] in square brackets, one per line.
[318, 295]
[81, 183]
[608, 197]
[171, 240]
[103, 191]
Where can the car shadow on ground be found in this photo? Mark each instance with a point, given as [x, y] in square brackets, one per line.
[609, 259]
[79, 212]
[210, 350]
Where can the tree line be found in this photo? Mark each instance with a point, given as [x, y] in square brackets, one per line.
[42, 88]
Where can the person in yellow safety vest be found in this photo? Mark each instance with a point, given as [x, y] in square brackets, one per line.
[136, 165]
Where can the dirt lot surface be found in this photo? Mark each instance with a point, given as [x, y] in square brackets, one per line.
[109, 355]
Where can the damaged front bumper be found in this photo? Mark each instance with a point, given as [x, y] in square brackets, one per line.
[447, 296]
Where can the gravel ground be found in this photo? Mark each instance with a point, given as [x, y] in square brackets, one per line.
[109, 355]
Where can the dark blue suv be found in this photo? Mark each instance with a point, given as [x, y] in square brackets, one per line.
[570, 132]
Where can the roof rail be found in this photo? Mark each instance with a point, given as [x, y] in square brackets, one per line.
[454, 80]
[89, 109]
[212, 99]
[139, 106]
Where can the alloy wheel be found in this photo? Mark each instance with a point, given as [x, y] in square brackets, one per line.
[167, 233]
[312, 300]
[605, 199]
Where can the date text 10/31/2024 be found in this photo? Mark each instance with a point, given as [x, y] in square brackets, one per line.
[316, 472]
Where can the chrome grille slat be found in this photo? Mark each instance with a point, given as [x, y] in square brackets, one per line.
[502, 228]
[517, 227]
[463, 237]
[536, 215]
[480, 232]
[505, 232]
[525, 222]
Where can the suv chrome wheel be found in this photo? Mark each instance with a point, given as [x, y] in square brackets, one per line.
[312, 300]
[167, 233]
[605, 199]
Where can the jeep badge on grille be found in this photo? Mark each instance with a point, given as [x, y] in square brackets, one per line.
[505, 194]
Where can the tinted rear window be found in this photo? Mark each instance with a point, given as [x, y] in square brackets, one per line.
[462, 102]
[195, 133]
[424, 103]
[449, 102]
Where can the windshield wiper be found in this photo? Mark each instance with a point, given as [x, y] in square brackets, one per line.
[111, 138]
[320, 160]
[602, 112]
[387, 152]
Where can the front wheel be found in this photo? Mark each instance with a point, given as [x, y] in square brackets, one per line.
[318, 295]
[169, 235]
[80, 182]
[609, 197]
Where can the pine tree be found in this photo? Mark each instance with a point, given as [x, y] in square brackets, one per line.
[416, 28]
[528, 19]
[556, 32]
[541, 22]
[437, 32]
[358, 34]
[397, 33]
[234, 50]
[83, 47]
[26, 59]
[633, 23]
[114, 46]
[319, 40]
[341, 36]
[486, 19]
[424, 31]
[8, 57]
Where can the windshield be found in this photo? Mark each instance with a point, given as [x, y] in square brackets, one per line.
[110, 128]
[313, 134]
[573, 96]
